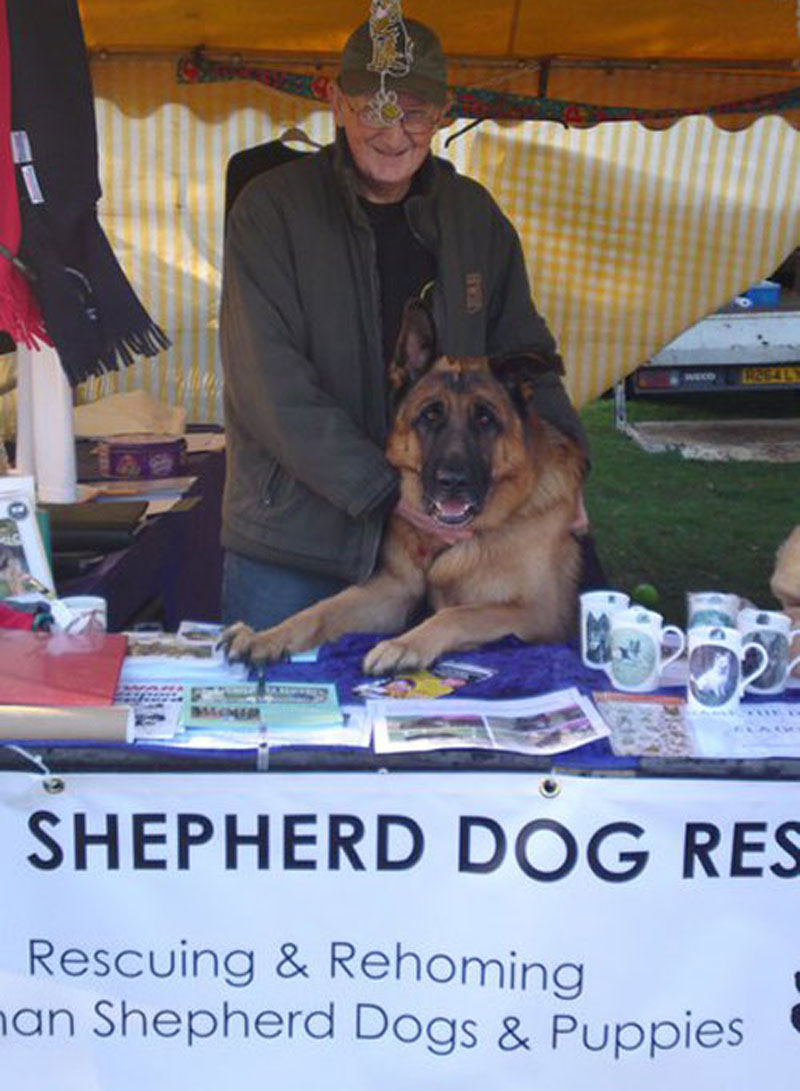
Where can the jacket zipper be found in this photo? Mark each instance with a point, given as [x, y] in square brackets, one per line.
[437, 304]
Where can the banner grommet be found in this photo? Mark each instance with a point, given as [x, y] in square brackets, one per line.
[549, 787]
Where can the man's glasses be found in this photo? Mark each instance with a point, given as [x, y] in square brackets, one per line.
[415, 120]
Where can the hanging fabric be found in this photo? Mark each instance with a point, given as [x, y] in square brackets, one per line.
[91, 313]
[19, 315]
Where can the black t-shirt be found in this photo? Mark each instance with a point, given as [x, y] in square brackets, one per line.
[405, 266]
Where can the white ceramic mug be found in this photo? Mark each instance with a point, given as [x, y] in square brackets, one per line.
[711, 608]
[717, 677]
[637, 657]
[597, 610]
[86, 614]
[773, 631]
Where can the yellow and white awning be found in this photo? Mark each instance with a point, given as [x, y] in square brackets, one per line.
[630, 234]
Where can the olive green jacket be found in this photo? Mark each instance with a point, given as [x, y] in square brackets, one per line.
[305, 391]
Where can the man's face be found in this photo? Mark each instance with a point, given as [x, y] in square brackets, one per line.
[386, 157]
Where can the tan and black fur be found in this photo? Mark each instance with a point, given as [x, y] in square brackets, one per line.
[785, 585]
[471, 453]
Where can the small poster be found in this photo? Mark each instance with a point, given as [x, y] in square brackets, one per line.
[646, 725]
[24, 569]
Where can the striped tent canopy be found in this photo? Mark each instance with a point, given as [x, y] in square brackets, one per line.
[595, 59]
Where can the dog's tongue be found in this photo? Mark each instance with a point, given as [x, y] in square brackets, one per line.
[452, 507]
[451, 510]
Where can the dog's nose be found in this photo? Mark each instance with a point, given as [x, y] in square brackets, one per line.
[451, 476]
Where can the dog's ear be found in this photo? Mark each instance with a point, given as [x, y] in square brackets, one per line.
[518, 372]
[416, 347]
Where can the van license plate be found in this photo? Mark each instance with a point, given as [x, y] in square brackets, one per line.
[763, 375]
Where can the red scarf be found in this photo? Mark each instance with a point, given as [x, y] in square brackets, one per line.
[19, 312]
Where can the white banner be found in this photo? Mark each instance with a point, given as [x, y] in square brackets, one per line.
[426, 931]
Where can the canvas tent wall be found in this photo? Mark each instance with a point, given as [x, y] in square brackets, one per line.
[631, 230]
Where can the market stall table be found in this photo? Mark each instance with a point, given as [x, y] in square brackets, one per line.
[342, 918]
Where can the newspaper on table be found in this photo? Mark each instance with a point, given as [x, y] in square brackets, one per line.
[548, 724]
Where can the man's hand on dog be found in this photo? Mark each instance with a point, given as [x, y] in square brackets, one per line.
[580, 524]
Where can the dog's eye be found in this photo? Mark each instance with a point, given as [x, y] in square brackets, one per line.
[432, 414]
[484, 418]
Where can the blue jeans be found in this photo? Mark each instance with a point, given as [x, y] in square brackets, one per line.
[262, 594]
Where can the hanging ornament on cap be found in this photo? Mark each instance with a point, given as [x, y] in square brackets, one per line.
[392, 55]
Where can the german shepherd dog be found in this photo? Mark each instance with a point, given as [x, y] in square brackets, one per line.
[473, 456]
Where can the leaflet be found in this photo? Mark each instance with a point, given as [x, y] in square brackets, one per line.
[547, 724]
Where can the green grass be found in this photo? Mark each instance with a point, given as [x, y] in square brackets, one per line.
[685, 525]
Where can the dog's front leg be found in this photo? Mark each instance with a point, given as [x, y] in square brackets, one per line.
[451, 629]
[382, 604]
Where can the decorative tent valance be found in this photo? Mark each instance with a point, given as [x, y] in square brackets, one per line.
[481, 102]
[582, 61]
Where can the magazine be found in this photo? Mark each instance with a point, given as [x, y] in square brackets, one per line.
[269, 705]
[201, 632]
[172, 657]
[547, 724]
[447, 676]
[353, 731]
[157, 707]
[205, 631]
[24, 570]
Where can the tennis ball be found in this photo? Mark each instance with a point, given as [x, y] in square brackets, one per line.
[646, 594]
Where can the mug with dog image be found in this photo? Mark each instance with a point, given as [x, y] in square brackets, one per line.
[637, 656]
[717, 677]
[773, 631]
[711, 608]
[597, 610]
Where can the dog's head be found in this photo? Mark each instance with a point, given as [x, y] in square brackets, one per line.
[785, 580]
[465, 438]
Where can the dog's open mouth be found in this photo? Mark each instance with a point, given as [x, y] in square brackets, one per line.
[453, 513]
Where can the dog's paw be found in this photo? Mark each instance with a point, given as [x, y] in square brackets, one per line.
[235, 641]
[394, 655]
[243, 644]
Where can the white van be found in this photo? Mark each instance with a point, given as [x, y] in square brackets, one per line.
[752, 343]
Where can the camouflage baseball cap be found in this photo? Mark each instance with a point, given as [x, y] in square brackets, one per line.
[427, 78]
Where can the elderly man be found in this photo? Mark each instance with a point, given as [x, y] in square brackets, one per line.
[321, 255]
